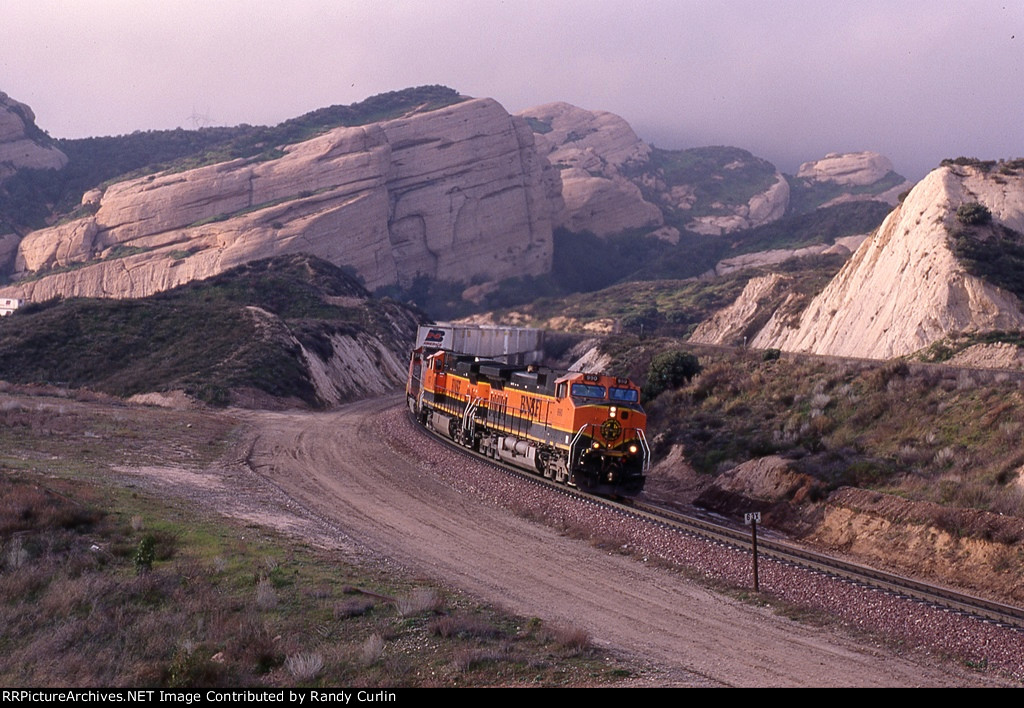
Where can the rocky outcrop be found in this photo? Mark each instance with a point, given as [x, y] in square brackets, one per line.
[736, 324]
[357, 366]
[611, 183]
[767, 479]
[453, 194]
[851, 177]
[904, 288]
[22, 144]
[843, 246]
[765, 484]
[591, 148]
[580, 138]
[850, 168]
[762, 208]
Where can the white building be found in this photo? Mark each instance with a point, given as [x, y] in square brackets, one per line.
[9, 305]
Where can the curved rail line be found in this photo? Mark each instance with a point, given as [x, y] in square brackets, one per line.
[927, 593]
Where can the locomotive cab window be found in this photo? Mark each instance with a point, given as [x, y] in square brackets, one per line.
[562, 390]
[587, 390]
[626, 395]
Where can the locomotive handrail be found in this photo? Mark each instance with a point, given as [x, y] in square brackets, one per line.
[646, 448]
[572, 447]
[469, 414]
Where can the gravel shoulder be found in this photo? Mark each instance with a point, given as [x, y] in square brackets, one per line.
[361, 478]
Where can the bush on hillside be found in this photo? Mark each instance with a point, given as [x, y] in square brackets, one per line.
[670, 369]
[973, 214]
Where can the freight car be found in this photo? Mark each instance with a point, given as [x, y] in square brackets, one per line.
[585, 430]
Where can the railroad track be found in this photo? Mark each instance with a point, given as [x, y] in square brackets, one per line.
[928, 593]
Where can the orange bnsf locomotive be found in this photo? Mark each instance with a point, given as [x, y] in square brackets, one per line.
[585, 430]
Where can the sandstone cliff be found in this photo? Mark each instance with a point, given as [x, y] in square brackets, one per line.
[904, 288]
[854, 169]
[22, 144]
[590, 149]
[736, 324]
[613, 182]
[455, 194]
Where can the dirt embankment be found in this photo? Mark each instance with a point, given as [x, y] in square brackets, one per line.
[977, 551]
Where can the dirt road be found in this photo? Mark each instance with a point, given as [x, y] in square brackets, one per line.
[341, 466]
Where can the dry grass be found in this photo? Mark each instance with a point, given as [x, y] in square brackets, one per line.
[449, 626]
[304, 667]
[419, 601]
[371, 650]
[74, 612]
[571, 641]
[266, 596]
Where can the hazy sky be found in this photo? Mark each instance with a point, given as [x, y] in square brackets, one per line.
[789, 80]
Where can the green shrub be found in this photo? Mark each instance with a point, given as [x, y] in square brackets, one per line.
[145, 554]
[670, 369]
[973, 214]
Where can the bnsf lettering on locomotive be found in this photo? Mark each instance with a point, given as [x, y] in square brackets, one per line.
[530, 407]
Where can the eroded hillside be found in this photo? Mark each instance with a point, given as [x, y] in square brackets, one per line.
[294, 330]
[906, 288]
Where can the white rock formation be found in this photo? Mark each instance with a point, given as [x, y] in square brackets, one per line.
[762, 208]
[590, 148]
[581, 138]
[855, 171]
[17, 147]
[730, 325]
[453, 194]
[903, 289]
[849, 168]
[844, 245]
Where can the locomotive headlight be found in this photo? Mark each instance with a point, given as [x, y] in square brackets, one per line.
[596, 445]
[632, 449]
[611, 411]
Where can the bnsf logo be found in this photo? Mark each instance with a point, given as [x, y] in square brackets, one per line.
[434, 336]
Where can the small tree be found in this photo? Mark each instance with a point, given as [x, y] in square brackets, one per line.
[670, 369]
[145, 554]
